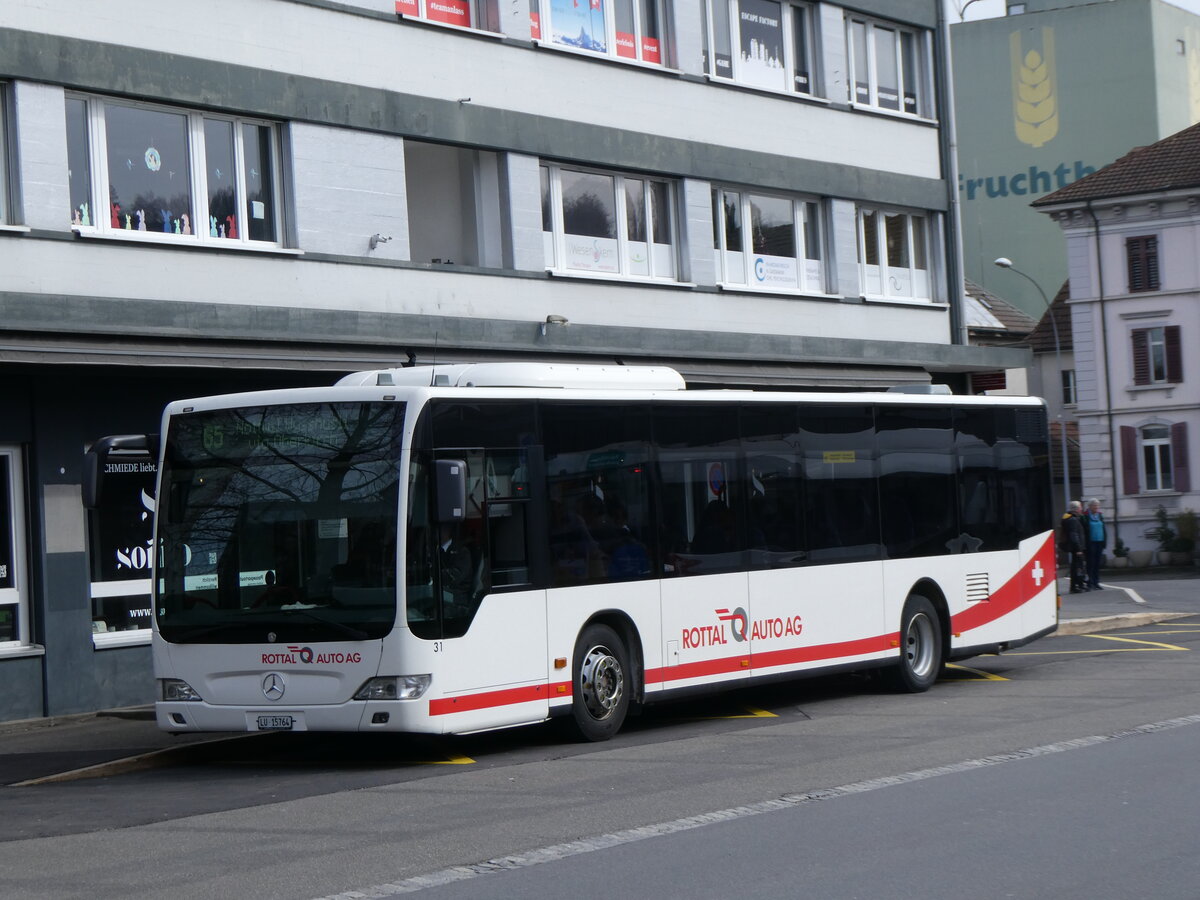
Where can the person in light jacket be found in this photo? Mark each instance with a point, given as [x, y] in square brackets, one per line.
[1096, 535]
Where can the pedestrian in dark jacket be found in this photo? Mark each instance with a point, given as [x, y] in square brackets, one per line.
[1074, 543]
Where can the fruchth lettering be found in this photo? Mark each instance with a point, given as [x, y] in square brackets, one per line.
[1031, 183]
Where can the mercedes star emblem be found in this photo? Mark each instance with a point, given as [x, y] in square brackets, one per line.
[273, 686]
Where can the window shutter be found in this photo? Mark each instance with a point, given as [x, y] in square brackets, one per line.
[1129, 459]
[1179, 457]
[1141, 256]
[1174, 354]
[1141, 356]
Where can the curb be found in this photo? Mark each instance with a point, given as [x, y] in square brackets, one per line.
[1114, 622]
[139, 763]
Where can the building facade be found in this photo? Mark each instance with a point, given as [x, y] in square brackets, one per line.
[256, 193]
[1131, 231]
[1046, 95]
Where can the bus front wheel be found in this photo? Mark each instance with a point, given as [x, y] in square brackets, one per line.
[600, 692]
[920, 647]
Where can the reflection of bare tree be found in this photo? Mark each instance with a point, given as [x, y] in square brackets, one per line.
[277, 468]
[587, 214]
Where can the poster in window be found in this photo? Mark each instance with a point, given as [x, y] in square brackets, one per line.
[775, 271]
[120, 544]
[760, 50]
[451, 12]
[579, 24]
[8, 575]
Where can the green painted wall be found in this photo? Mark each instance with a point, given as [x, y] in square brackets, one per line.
[1098, 80]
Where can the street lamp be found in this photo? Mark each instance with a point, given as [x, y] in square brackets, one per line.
[1005, 263]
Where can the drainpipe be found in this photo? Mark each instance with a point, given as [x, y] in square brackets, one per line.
[949, 146]
[1103, 360]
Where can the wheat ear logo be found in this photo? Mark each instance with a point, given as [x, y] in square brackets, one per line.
[1035, 106]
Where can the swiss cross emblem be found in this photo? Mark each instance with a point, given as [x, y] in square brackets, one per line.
[1038, 573]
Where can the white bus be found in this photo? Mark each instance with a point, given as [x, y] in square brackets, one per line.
[450, 549]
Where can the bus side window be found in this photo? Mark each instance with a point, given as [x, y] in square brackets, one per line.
[917, 491]
[703, 489]
[775, 486]
[598, 502]
[841, 508]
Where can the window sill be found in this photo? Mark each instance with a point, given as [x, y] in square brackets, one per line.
[23, 650]
[1167, 388]
[892, 114]
[758, 89]
[545, 44]
[734, 288]
[165, 240]
[14, 229]
[107, 640]
[463, 29]
[906, 301]
[618, 279]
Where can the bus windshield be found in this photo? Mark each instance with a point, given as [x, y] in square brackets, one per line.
[278, 523]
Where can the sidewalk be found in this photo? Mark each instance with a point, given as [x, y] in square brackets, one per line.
[111, 741]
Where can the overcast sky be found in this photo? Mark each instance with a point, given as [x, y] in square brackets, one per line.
[987, 9]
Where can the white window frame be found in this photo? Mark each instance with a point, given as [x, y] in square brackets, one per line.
[790, 11]
[98, 168]
[5, 155]
[752, 273]
[1159, 477]
[920, 52]
[18, 595]
[541, 16]
[1156, 354]
[888, 282]
[480, 13]
[555, 241]
[1067, 382]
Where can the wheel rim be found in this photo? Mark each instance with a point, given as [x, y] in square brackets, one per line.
[918, 645]
[601, 682]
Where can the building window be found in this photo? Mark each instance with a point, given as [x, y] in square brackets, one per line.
[622, 29]
[1068, 386]
[14, 602]
[608, 224]
[1157, 355]
[887, 66]
[1141, 256]
[1154, 457]
[761, 43]
[892, 255]
[171, 174]
[6, 217]
[767, 241]
[481, 14]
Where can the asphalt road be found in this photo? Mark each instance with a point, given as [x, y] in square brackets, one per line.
[831, 770]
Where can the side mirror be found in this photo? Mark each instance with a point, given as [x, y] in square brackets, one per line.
[451, 477]
[95, 460]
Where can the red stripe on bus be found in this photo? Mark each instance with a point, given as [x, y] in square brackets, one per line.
[1034, 577]
[490, 699]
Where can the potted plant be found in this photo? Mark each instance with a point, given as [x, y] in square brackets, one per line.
[1120, 554]
[1164, 534]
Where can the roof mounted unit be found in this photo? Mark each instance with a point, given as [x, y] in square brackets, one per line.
[920, 389]
[545, 375]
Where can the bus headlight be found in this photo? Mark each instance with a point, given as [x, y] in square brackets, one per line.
[175, 689]
[394, 687]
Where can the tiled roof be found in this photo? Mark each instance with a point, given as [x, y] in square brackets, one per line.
[989, 317]
[1041, 338]
[1170, 164]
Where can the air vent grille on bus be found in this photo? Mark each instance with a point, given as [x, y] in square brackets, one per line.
[978, 587]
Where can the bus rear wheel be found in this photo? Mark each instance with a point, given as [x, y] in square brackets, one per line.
[600, 693]
[920, 647]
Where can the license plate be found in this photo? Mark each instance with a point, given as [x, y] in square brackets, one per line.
[276, 723]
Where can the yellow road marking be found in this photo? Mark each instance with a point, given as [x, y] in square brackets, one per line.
[1147, 647]
[982, 675]
[451, 761]
[750, 713]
